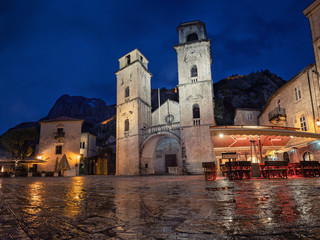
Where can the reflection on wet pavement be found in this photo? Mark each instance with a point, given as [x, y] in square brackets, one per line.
[159, 207]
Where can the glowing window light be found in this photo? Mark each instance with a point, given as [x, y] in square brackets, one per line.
[221, 135]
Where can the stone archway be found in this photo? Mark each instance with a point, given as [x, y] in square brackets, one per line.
[158, 152]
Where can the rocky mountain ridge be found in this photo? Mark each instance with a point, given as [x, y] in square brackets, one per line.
[247, 91]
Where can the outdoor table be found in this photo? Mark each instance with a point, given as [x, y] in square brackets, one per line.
[310, 168]
[294, 169]
[237, 170]
[275, 169]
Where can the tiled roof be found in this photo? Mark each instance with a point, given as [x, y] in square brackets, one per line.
[61, 119]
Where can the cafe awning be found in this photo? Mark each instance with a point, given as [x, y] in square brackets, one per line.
[261, 130]
[8, 161]
[262, 139]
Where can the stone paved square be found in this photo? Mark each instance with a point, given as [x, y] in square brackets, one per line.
[159, 207]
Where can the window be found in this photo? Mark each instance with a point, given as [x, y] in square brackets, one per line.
[307, 156]
[128, 59]
[126, 92]
[83, 145]
[297, 93]
[126, 125]
[141, 58]
[279, 104]
[194, 74]
[194, 71]
[196, 111]
[192, 37]
[59, 133]
[303, 123]
[286, 157]
[196, 114]
[58, 149]
[249, 116]
[169, 119]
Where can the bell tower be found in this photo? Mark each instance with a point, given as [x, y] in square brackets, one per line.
[133, 110]
[195, 95]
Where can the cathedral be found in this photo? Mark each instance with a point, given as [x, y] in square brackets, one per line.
[175, 138]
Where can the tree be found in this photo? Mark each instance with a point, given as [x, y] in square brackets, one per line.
[20, 142]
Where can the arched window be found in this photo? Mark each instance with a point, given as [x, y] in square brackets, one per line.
[126, 92]
[126, 125]
[128, 59]
[196, 111]
[286, 157]
[307, 156]
[194, 71]
[192, 37]
[279, 105]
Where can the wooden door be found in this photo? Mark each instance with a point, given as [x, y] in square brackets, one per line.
[171, 161]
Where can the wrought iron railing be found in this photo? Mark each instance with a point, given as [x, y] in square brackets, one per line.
[277, 112]
[59, 135]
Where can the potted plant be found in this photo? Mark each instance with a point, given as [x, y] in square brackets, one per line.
[43, 174]
[12, 174]
[30, 174]
[56, 174]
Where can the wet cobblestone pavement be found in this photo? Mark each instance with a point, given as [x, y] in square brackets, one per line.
[165, 207]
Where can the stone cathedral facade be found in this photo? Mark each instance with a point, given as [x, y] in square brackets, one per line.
[175, 138]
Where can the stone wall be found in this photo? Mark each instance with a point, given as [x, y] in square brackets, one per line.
[247, 117]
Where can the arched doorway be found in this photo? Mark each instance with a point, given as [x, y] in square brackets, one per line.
[307, 156]
[286, 157]
[160, 152]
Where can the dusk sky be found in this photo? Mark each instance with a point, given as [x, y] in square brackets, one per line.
[51, 48]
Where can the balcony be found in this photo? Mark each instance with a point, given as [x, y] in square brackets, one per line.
[194, 79]
[59, 135]
[196, 122]
[278, 115]
[161, 128]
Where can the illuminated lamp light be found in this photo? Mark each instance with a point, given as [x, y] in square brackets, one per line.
[291, 136]
[78, 157]
[276, 139]
[221, 135]
[318, 122]
[39, 157]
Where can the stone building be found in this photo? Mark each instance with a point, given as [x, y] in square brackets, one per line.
[296, 106]
[246, 116]
[59, 145]
[313, 14]
[175, 137]
[62, 146]
[288, 126]
[87, 145]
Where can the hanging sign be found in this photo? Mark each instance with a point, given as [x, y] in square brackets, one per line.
[229, 155]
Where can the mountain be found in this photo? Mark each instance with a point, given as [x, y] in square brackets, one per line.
[246, 91]
[92, 110]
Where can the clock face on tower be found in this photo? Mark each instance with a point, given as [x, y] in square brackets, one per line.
[192, 55]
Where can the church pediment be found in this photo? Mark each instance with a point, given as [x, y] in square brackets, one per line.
[194, 97]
